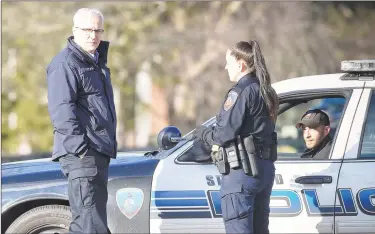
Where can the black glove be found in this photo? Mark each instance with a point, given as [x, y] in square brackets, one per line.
[201, 151]
[200, 131]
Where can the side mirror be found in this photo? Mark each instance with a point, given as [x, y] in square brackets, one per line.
[169, 137]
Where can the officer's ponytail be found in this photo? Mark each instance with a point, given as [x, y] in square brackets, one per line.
[268, 93]
[251, 54]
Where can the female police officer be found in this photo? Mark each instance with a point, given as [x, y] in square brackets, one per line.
[250, 109]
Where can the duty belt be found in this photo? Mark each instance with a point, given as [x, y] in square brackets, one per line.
[242, 153]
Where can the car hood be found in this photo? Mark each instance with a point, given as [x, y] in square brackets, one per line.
[43, 179]
[45, 169]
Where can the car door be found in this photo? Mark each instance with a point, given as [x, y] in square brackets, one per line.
[356, 185]
[185, 192]
[179, 201]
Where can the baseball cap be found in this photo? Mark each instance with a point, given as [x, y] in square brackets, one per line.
[313, 118]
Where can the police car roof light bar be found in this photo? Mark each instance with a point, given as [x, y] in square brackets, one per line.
[358, 66]
[362, 70]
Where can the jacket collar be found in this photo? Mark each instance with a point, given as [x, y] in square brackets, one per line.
[82, 54]
[246, 77]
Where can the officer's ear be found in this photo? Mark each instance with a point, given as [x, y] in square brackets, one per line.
[243, 66]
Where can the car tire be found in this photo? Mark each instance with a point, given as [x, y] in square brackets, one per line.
[43, 219]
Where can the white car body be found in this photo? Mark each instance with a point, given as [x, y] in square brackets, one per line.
[185, 194]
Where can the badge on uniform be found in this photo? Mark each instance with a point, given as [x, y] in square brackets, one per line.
[231, 99]
[129, 201]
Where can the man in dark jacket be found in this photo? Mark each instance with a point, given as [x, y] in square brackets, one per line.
[82, 111]
[315, 125]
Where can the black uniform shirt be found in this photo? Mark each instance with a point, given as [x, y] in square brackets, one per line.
[244, 113]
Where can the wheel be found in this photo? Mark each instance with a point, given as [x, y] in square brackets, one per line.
[51, 219]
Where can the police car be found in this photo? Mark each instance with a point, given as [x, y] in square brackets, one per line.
[174, 190]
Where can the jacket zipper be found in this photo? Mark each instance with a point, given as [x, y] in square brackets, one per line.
[106, 95]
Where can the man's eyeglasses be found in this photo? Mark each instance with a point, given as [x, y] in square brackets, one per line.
[89, 30]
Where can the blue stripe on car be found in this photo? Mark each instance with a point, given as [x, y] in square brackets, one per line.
[178, 194]
[180, 202]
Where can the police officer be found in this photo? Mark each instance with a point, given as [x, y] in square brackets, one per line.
[250, 109]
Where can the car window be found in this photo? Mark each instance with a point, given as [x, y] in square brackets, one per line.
[368, 140]
[290, 139]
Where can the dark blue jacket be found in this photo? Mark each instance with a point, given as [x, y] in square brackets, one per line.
[80, 102]
[243, 113]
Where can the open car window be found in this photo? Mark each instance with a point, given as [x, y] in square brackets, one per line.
[291, 144]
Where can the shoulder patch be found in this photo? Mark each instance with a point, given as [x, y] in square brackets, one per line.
[231, 99]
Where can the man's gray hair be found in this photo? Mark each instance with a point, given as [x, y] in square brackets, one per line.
[87, 11]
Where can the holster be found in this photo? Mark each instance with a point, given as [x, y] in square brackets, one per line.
[251, 155]
[243, 157]
[274, 147]
[220, 159]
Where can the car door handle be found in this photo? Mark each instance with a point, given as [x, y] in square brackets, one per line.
[314, 180]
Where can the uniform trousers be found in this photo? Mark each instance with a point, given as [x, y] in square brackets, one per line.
[245, 200]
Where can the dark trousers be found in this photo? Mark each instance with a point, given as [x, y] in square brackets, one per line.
[87, 191]
[245, 200]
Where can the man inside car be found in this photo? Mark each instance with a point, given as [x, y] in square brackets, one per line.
[315, 125]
